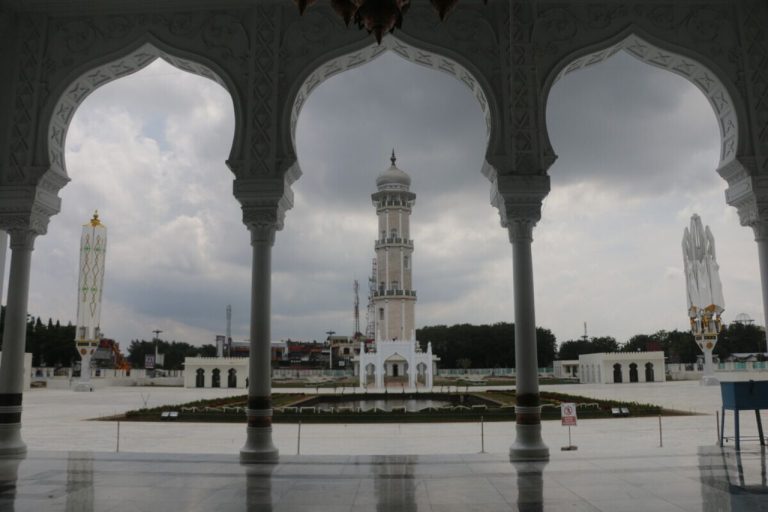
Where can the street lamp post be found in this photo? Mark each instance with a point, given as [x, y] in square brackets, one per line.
[330, 349]
[156, 333]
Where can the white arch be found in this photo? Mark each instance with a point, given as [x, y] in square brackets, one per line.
[350, 59]
[695, 72]
[365, 55]
[78, 89]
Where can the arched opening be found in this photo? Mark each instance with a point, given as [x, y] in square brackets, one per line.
[421, 374]
[395, 372]
[638, 151]
[633, 376]
[216, 378]
[200, 378]
[232, 378]
[370, 375]
[617, 377]
[336, 117]
[148, 151]
[649, 377]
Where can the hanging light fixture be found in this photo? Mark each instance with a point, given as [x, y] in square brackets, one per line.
[443, 7]
[346, 9]
[378, 17]
[381, 17]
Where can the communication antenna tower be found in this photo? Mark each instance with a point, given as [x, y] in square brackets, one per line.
[370, 316]
[585, 337]
[228, 340]
[357, 309]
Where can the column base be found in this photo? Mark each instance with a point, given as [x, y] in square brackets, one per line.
[11, 444]
[259, 446]
[528, 445]
[83, 386]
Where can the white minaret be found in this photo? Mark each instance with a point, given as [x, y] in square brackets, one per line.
[394, 301]
[93, 249]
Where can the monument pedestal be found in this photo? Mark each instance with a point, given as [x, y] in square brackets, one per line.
[707, 343]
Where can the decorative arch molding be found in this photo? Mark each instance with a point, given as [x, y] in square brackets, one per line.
[81, 87]
[466, 46]
[410, 52]
[706, 80]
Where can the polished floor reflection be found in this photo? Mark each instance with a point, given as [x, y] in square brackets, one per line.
[712, 480]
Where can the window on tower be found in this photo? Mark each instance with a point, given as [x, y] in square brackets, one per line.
[381, 314]
[406, 263]
[395, 285]
[394, 232]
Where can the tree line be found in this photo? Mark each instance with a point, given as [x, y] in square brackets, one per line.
[53, 344]
[482, 346]
[458, 346]
[493, 346]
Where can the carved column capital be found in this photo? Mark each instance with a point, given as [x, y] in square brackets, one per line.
[519, 199]
[264, 203]
[520, 230]
[22, 238]
[760, 227]
[262, 231]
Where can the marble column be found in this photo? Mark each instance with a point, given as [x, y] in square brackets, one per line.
[3, 249]
[761, 237]
[259, 446]
[14, 341]
[528, 444]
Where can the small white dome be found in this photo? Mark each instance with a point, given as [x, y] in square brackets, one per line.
[393, 176]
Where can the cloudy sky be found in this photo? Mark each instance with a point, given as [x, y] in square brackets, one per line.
[637, 147]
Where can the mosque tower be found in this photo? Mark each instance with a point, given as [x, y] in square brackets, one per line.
[394, 300]
[93, 248]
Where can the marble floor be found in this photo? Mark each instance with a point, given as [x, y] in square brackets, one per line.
[710, 480]
[627, 464]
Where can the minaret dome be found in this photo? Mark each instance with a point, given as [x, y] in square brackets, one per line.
[393, 178]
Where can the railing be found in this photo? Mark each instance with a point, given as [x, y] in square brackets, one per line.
[395, 293]
[299, 373]
[384, 204]
[732, 366]
[394, 241]
[487, 372]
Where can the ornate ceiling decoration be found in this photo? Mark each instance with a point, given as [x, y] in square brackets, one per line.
[378, 17]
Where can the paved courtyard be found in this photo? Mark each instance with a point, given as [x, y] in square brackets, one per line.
[620, 464]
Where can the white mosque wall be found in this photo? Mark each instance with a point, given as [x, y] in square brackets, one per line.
[107, 377]
[602, 368]
[201, 372]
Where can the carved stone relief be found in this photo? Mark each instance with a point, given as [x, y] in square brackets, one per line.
[507, 53]
[754, 52]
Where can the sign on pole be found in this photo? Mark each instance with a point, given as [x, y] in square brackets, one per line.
[149, 362]
[568, 418]
[568, 414]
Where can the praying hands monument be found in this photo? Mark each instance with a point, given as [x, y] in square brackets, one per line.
[704, 291]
